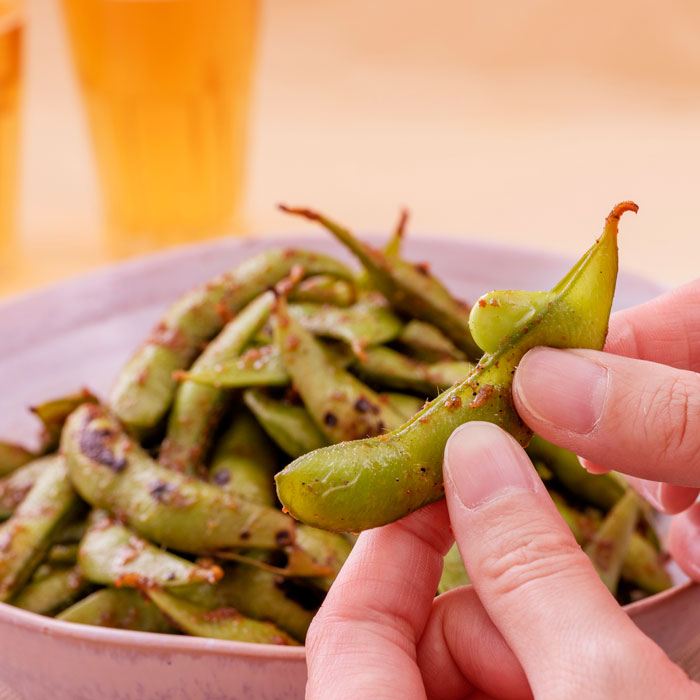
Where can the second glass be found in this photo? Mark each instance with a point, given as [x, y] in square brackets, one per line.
[166, 85]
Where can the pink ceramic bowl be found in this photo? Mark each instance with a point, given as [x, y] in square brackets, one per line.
[80, 333]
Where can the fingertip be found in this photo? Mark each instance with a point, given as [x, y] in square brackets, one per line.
[592, 467]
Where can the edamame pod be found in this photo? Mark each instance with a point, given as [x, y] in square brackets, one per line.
[342, 407]
[222, 623]
[404, 404]
[602, 490]
[111, 471]
[244, 461]
[382, 366]
[53, 593]
[145, 387]
[119, 608]
[410, 288]
[428, 343]
[288, 425]
[258, 594]
[368, 322]
[53, 415]
[366, 483]
[609, 546]
[63, 554]
[111, 554]
[326, 549]
[454, 573]
[13, 456]
[26, 536]
[15, 486]
[197, 409]
[324, 289]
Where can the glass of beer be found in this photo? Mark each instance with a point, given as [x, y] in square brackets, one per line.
[166, 87]
[11, 28]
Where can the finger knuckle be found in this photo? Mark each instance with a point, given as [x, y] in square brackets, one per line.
[671, 413]
[533, 557]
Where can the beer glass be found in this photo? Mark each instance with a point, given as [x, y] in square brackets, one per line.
[166, 88]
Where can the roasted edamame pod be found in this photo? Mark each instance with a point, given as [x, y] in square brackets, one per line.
[342, 407]
[111, 554]
[411, 289]
[62, 554]
[53, 593]
[609, 546]
[15, 486]
[221, 623]
[120, 608]
[53, 415]
[602, 490]
[382, 366]
[197, 409]
[13, 456]
[26, 536]
[111, 471]
[368, 322]
[362, 484]
[454, 574]
[255, 593]
[288, 425]
[324, 289]
[145, 387]
[426, 342]
[244, 461]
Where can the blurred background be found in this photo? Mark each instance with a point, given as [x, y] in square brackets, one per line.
[515, 122]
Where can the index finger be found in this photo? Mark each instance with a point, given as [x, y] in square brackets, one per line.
[362, 643]
[665, 329]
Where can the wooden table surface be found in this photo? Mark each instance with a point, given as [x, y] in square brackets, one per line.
[514, 122]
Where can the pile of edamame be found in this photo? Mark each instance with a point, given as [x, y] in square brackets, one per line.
[156, 509]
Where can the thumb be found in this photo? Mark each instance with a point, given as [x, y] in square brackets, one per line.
[535, 582]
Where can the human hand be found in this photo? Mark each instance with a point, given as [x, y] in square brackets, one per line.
[537, 620]
[634, 408]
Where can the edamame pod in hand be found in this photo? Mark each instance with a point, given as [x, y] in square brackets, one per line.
[111, 471]
[367, 483]
[145, 387]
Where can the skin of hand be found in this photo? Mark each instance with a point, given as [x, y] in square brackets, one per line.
[536, 621]
[634, 408]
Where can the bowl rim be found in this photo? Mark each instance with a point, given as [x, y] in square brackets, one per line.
[169, 643]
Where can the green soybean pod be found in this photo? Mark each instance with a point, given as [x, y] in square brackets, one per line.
[222, 623]
[385, 367]
[27, 535]
[145, 387]
[53, 593]
[325, 289]
[454, 574]
[197, 409]
[244, 461]
[119, 608]
[111, 471]
[288, 425]
[13, 456]
[15, 486]
[342, 407]
[53, 415]
[111, 554]
[410, 288]
[427, 342]
[362, 484]
[404, 404]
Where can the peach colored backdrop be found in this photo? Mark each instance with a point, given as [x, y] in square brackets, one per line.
[520, 122]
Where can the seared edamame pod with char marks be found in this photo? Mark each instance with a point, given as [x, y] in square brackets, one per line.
[342, 407]
[27, 535]
[366, 483]
[197, 409]
[145, 387]
[411, 289]
[111, 471]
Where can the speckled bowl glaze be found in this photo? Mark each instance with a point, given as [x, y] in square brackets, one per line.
[79, 333]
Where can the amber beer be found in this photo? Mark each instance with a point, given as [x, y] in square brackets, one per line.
[166, 87]
[10, 73]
